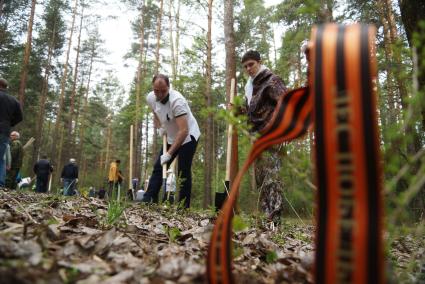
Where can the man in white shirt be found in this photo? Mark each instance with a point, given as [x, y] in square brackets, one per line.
[172, 113]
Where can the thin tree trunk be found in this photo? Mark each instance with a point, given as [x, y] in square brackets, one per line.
[177, 49]
[86, 99]
[208, 149]
[78, 109]
[59, 161]
[145, 168]
[173, 56]
[74, 84]
[63, 83]
[230, 47]
[158, 36]
[158, 43]
[135, 166]
[108, 145]
[43, 98]
[27, 55]
[412, 148]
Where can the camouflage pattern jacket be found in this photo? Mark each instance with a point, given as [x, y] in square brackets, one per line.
[267, 88]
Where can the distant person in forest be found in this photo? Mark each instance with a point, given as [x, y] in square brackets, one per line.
[172, 113]
[17, 152]
[114, 177]
[42, 169]
[69, 177]
[262, 92]
[10, 115]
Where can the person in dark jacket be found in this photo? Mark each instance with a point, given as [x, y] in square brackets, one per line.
[69, 177]
[17, 152]
[42, 169]
[262, 93]
[10, 115]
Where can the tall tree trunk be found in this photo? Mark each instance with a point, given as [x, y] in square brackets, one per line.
[412, 148]
[108, 145]
[145, 168]
[43, 97]
[62, 93]
[173, 56]
[86, 99]
[412, 13]
[389, 86]
[177, 49]
[27, 54]
[78, 110]
[158, 43]
[74, 83]
[158, 36]
[137, 137]
[230, 47]
[208, 148]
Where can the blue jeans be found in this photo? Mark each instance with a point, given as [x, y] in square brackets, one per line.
[68, 186]
[4, 140]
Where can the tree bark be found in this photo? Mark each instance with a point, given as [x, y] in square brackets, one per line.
[74, 84]
[27, 55]
[43, 98]
[208, 149]
[63, 83]
[137, 137]
[173, 56]
[86, 99]
[230, 47]
[158, 44]
[412, 13]
[177, 49]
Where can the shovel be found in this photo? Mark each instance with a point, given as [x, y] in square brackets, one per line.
[220, 197]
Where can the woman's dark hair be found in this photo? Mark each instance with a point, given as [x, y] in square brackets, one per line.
[163, 77]
[251, 54]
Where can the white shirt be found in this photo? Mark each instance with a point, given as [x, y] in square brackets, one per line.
[175, 106]
[249, 88]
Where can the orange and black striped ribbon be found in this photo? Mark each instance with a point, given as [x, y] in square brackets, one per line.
[348, 175]
[349, 211]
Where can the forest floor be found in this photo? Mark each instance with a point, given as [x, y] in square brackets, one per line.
[53, 239]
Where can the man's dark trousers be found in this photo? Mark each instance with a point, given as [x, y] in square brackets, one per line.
[185, 153]
[42, 183]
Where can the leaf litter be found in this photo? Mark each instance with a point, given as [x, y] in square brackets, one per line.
[52, 239]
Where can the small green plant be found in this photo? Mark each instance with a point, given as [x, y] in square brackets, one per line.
[115, 210]
[237, 250]
[173, 233]
[71, 275]
[239, 223]
[271, 257]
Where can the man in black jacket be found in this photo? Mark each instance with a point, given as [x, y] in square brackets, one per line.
[69, 177]
[10, 115]
[42, 169]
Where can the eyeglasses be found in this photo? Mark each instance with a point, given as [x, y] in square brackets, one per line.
[248, 65]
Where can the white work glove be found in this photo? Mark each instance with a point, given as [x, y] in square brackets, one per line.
[161, 131]
[165, 158]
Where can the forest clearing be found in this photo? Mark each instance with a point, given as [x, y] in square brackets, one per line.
[227, 141]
